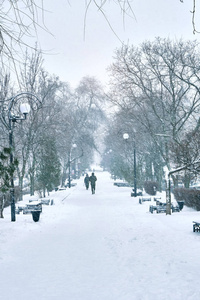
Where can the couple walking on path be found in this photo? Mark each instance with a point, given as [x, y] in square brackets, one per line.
[92, 180]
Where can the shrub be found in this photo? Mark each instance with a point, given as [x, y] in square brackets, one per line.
[191, 197]
[151, 187]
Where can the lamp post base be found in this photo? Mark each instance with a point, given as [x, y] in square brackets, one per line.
[13, 218]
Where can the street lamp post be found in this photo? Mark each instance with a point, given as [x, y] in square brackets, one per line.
[126, 137]
[16, 114]
[12, 188]
[69, 167]
[168, 195]
[24, 109]
[135, 181]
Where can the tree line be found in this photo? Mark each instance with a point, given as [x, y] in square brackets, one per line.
[155, 90]
[43, 143]
[153, 96]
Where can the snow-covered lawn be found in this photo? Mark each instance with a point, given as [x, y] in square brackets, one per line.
[105, 246]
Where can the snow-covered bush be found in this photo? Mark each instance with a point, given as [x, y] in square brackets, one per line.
[191, 197]
[151, 187]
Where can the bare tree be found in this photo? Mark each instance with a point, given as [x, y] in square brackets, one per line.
[34, 79]
[193, 12]
[79, 119]
[19, 21]
[102, 5]
[156, 85]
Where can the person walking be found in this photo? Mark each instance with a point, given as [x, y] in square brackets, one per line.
[93, 180]
[86, 181]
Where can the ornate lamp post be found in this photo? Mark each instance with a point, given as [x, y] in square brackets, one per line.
[25, 109]
[126, 137]
[17, 111]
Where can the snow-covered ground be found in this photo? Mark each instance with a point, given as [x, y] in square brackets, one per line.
[105, 246]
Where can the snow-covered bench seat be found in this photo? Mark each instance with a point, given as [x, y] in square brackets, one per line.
[33, 206]
[46, 201]
[161, 208]
[143, 199]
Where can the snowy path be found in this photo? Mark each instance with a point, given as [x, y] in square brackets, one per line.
[99, 247]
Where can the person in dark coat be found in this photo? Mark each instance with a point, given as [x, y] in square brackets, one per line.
[93, 180]
[86, 181]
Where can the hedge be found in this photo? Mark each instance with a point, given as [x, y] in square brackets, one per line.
[191, 197]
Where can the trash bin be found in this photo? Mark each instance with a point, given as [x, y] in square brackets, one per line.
[180, 204]
[36, 215]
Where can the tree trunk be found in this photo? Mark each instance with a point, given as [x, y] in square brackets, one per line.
[186, 180]
[32, 184]
[1, 209]
[32, 177]
[20, 188]
[64, 174]
[175, 180]
[2, 201]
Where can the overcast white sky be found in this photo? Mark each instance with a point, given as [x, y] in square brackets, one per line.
[72, 57]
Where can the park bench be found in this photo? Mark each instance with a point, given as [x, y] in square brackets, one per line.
[23, 208]
[46, 201]
[29, 207]
[67, 185]
[32, 200]
[158, 202]
[161, 208]
[152, 208]
[175, 208]
[122, 184]
[34, 206]
[196, 226]
[20, 208]
[143, 199]
[157, 199]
